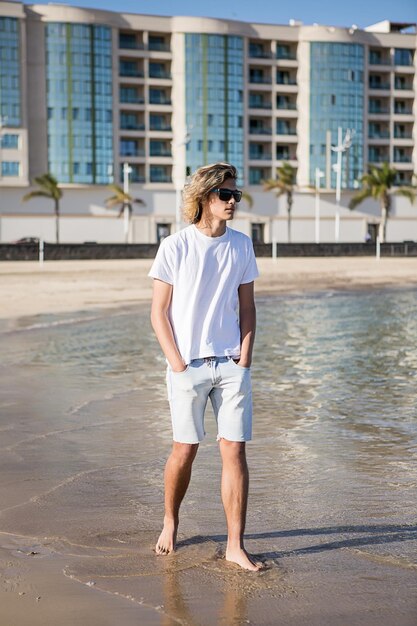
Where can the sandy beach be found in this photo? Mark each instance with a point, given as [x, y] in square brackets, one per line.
[333, 459]
[27, 289]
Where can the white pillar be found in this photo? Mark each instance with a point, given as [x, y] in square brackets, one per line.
[318, 174]
[126, 171]
[338, 185]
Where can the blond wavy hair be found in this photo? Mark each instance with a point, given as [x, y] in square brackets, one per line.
[198, 188]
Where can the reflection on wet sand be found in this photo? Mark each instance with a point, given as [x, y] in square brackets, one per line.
[85, 433]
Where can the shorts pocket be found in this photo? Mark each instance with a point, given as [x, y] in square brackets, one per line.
[239, 367]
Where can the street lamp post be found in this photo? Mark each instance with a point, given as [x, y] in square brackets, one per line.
[126, 171]
[342, 146]
[3, 122]
[179, 177]
[318, 174]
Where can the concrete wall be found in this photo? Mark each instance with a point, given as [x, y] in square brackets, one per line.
[52, 252]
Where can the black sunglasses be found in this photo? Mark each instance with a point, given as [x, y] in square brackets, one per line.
[226, 194]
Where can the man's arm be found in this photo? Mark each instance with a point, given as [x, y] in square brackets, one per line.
[247, 316]
[162, 294]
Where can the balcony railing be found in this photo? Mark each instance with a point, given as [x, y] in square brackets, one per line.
[132, 100]
[160, 127]
[286, 81]
[131, 126]
[259, 156]
[137, 178]
[131, 45]
[159, 47]
[258, 104]
[405, 111]
[382, 134]
[286, 56]
[380, 110]
[286, 131]
[259, 54]
[260, 131]
[131, 73]
[403, 86]
[405, 135]
[260, 80]
[160, 153]
[283, 156]
[159, 100]
[379, 85]
[255, 179]
[379, 61]
[378, 158]
[128, 152]
[287, 106]
[159, 74]
[160, 178]
[402, 158]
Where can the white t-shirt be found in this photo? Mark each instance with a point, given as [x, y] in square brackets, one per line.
[205, 273]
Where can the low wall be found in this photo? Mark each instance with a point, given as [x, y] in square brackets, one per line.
[336, 249]
[75, 251]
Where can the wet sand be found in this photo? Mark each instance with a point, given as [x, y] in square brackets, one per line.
[84, 433]
[63, 286]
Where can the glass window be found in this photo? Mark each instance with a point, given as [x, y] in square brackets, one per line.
[9, 141]
[10, 168]
[403, 56]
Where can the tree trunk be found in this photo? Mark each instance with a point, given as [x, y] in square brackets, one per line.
[384, 219]
[289, 207]
[57, 221]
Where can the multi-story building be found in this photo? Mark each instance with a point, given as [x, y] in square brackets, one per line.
[84, 91]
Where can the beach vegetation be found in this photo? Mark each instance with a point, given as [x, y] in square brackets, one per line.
[48, 187]
[379, 184]
[125, 202]
[284, 184]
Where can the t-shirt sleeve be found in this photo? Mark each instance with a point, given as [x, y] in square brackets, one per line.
[251, 270]
[163, 265]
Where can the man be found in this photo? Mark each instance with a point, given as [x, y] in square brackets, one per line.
[203, 314]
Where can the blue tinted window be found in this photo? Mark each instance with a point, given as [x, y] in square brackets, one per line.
[336, 100]
[214, 99]
[10, 71]
[10, 168]
[79, 89]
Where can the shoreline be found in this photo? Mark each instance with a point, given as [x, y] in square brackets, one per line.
[27, 289]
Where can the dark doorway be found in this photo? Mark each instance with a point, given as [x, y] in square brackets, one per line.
[162, 231]
[372, 233]
[258, 233]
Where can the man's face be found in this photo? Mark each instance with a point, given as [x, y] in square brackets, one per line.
[222, 209]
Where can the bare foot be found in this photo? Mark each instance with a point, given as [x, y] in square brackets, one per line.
[167, 538]
[242, 558]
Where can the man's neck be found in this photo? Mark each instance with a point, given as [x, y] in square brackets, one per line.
[214, 228]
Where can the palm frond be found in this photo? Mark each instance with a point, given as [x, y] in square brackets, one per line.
[359, 197]
[248, 198]
[35, 194]
[407, 192]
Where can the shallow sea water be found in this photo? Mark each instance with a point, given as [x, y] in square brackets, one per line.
[85, 431]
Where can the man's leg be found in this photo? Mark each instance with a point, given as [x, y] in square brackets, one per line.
[177, 478]
[235, 486]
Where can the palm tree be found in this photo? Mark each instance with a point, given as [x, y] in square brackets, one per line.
[284, 185]
[248, 198]
[47, 188]
[125, 201]
[379, 184]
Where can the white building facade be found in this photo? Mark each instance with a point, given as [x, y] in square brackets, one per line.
[84, 91]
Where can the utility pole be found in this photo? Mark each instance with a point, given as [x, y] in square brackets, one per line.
[318, 174]
[340, 148]
[126, 171]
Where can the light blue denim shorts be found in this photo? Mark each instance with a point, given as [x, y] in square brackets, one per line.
[227, 384]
